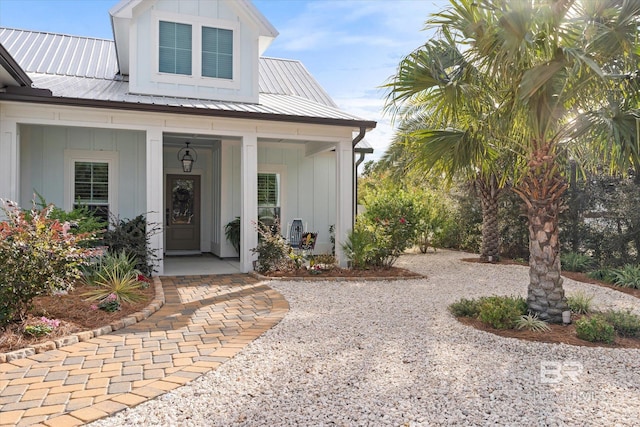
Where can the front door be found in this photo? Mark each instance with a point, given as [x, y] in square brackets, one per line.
[183, 213]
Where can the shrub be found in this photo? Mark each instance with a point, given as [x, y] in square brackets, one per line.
[595, 329]
[38, 256]
[114, 275]
[83, 222]
[627, 276]
[625, 323]
[465, 308]
[580, 303]
[501, 312]
[272, 249]
[393, 220]
[602, 274]
[358, 247]
[133, 236]
[531, 323]
[573, 261]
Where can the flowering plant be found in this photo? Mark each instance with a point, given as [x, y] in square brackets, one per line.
[43, 326]
[110, 303]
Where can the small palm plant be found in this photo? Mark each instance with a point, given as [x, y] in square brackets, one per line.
[114, 275]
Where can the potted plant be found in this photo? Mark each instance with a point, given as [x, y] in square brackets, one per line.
[232, 232]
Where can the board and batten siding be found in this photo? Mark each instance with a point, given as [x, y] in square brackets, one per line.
[308, 187]
[42, 163]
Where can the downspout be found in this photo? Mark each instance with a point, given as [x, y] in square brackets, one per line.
[354, 203]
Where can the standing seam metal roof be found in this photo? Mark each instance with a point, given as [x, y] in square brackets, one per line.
[92, 58]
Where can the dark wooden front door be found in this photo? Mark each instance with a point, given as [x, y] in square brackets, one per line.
[183, 213]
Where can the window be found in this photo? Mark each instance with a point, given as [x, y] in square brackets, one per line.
[268, 197]
[91, 187]
[217, 53]
[175, 48]
[91, 179]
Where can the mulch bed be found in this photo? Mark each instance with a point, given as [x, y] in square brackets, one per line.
[559, 333]
[74, 314]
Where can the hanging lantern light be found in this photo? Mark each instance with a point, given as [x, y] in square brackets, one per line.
[186, 158]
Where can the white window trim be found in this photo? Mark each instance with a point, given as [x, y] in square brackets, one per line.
[196, 77]
[73, 156]
[282, 171]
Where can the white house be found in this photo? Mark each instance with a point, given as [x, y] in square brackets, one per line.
[106, 123]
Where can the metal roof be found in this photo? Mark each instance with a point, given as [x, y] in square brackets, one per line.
[60, 54]
[118, 91]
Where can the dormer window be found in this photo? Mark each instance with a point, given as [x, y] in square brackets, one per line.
[175, 48]
[217, 53]
[177, 43]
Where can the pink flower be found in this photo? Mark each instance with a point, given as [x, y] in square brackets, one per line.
[403, 221]
[111, 297]
[93, 307]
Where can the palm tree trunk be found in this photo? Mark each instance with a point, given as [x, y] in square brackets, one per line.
[489, 192]
[542, 190]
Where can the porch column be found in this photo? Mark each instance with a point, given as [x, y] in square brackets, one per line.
[344, 196]
[249, 201]
[155, 193]
[9, 161]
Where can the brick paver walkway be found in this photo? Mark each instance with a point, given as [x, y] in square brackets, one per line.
[205, 321]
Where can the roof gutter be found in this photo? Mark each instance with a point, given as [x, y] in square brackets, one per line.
[153, 108]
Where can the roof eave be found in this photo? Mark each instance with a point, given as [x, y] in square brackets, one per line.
[119, 105]
[13, 68]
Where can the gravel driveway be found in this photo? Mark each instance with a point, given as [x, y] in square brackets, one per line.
[389, 353]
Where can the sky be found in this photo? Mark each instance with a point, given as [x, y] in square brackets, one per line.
[352, 47]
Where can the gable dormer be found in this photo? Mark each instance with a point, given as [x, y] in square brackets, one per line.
[206, 49]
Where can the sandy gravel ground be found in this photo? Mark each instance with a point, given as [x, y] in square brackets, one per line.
[389, 353]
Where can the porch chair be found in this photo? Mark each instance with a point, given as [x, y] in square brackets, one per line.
[295, 233]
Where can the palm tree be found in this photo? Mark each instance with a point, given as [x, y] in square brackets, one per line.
[564, 77]
[448, 126]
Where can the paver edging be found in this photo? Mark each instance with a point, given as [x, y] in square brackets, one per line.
[320, 278]
[155, 304]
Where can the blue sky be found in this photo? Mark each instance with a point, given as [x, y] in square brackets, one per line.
[350, 46]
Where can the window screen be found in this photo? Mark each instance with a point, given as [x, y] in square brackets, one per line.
[217, 53]
[175, 48]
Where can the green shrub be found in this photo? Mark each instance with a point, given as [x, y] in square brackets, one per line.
[83, 222]
[501, 312]
[625, 323]
[531, 323]
[358, 248]
[580, 303]
[465, 308]
[602, 274]
[595, 329]
[133, 236]
[574, 261]
[273, 249]
[114, 275]
[393, 220]
[627, 276]
[38, 256]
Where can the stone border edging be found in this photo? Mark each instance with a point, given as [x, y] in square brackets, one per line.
[157, 302]
[320, 278]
